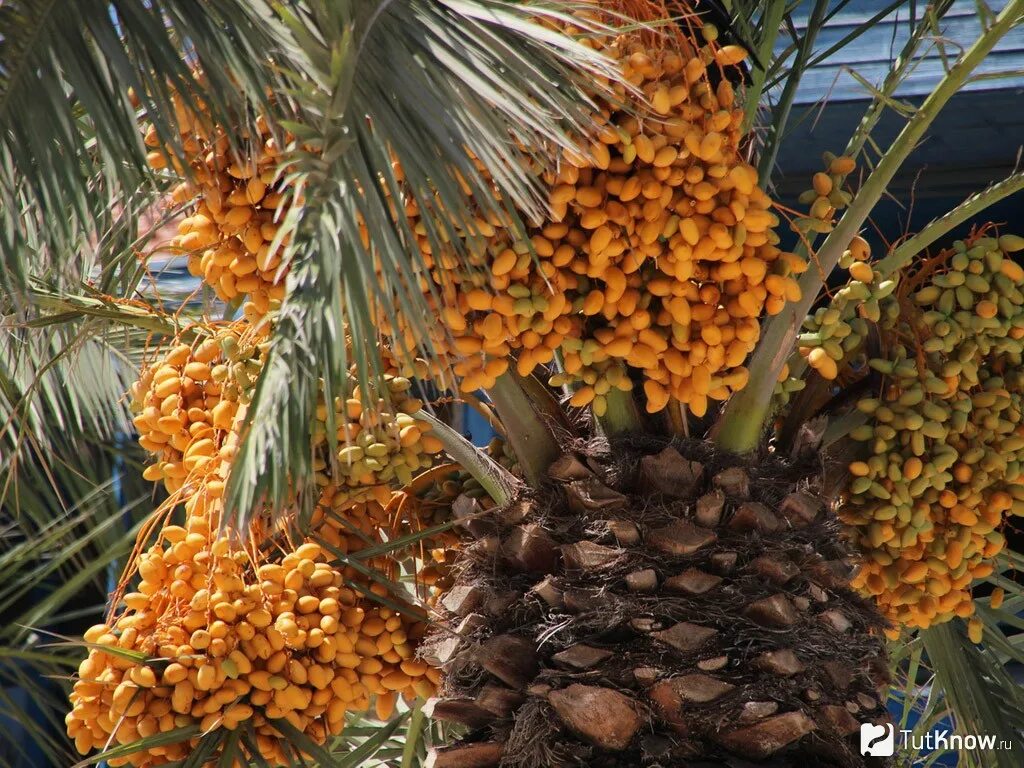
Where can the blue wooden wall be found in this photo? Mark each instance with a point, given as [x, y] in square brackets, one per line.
[973, 142]
[870, 54]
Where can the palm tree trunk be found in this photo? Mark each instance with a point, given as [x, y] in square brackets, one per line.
[658, 604]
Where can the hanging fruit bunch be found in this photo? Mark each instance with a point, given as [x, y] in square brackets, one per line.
[837, 331]
[347, 527]
[826, 197]
[233, 196]
[226, 630]
[390, 622]
[656, 263]
[190, 400]
[218, 635]
[943, 443]
[659, 256]
[672, 240]
[470, 348]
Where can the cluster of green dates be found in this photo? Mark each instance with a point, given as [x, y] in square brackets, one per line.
[942, 443]
[377, 444]
[836, 333]
[833, 336]
[241, 369]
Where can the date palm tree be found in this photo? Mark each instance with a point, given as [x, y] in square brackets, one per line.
[665, 589]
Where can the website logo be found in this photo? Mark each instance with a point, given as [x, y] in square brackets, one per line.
[877, 740]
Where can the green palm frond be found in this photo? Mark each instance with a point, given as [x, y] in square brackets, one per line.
[37, 405]
[69, 137]
[915, 710]
[69, 350]
[64, 532]
[431, 85]
[980, 695]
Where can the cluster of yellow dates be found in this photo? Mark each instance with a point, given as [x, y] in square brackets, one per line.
[230, 234]
[221, 636]
[656, 263]
[188, 402]
[658, 259]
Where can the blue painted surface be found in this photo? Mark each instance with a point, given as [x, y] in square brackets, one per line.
[973, 142]
[946, 761]
[479, 429]
[871, 54]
